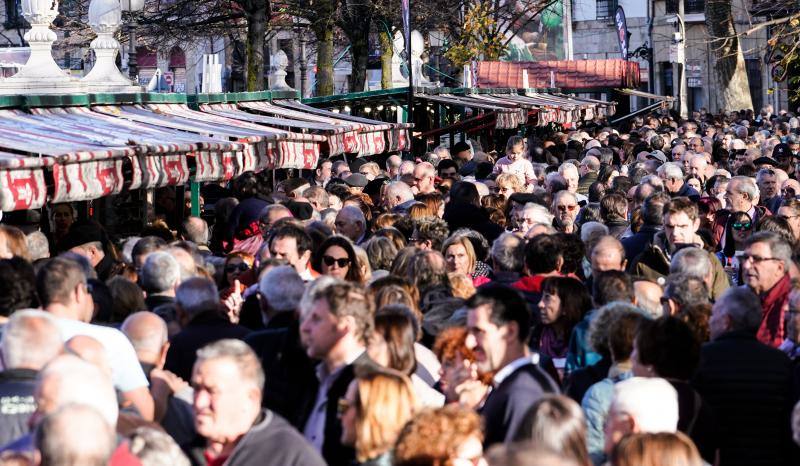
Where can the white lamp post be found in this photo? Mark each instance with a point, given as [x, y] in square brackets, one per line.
[105, 17]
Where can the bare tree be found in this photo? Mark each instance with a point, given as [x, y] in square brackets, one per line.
[730, 74]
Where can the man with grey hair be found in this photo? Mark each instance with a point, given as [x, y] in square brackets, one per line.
[682, 291]
[508, 258]
[350, 222]
[195, 229]
[565, 209]
[291, 372]
[672, 176]
[747, 384]
[769, 188]
[228, 383]
[741, 195]
[765, 270]
[75, 435]
[588, 170]
[202, 322]
[160, 276]
[531, 214]
[569, 172]
[393, 166]
[398, 197]
[30, 340]
[38, 246]
[695, 262]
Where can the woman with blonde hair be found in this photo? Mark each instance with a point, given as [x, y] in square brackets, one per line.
[508, 184]
[373, 412]
[459, 256]
[12, 243]
[661, 449]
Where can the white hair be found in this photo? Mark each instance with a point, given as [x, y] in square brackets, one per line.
[540, 212]
[400, 190]
[651, 402]
[38, 247]
[160, 272]
[592, 229]
[29, 344]
[285, 297]
[567, 166]
[671, 170]
[77, 381]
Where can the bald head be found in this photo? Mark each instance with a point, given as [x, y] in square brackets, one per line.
[148, 335]
[195, 229]
[608, 254]
[69, 379]
[648, 297]
[30, 340]
[75, 435]
[90, 350]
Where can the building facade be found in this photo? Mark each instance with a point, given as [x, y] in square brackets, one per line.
[652, 24]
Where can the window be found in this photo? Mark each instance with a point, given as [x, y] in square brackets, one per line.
[606, 9]
[689, 6]
[14, 14]
[753, 66]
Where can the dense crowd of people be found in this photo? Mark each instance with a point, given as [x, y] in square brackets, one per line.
[596, 296]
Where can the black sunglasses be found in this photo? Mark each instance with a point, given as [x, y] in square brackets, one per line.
[234, 267]
[330, 260]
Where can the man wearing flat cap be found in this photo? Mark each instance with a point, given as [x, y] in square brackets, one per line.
[90, 241]
[356, 182]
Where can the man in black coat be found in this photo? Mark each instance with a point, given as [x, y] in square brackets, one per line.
[234, 429]
[748, 385]
[291, 378]
[499, 323]
[652, 214]
[30, 340]
[202, 321]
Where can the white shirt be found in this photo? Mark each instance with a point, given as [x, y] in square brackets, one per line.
[126, 372]
[509, 368]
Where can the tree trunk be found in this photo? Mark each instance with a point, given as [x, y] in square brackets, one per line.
[730, 74]
[256, 30]
[324, 60]
[359, 51]
[387, 52]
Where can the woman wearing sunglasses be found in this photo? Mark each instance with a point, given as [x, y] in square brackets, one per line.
[737, 230]
[337, 258]
[235, 268]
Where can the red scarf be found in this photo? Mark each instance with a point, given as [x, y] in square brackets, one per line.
[774, 303]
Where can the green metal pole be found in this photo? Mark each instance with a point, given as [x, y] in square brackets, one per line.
[194, 186]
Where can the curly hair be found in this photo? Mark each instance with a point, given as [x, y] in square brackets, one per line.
[433, 437]
[432, 229]
[381, 252]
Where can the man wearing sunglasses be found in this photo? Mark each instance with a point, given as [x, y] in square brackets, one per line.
[765, 265]
[565, 209]
[741, 195]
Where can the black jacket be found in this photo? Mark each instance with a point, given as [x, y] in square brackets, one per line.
[291, 377]
[16, 398]
[463, 215]
[333, 451]
[507, 405]
[204, 328]
[749, 386]
[270, 442]
[638, 242]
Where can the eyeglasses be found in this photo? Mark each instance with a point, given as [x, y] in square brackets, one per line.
[564, 208]
[241, 267]
[787, 217]
[756, 259]
[330, 260]
[742, 226]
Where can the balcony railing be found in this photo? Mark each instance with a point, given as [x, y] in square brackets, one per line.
[689, 6]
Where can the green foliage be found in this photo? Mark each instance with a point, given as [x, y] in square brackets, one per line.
[479, 38]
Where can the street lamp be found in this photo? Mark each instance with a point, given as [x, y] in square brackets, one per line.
[300, 30]
[679, 79]
[132, 7]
